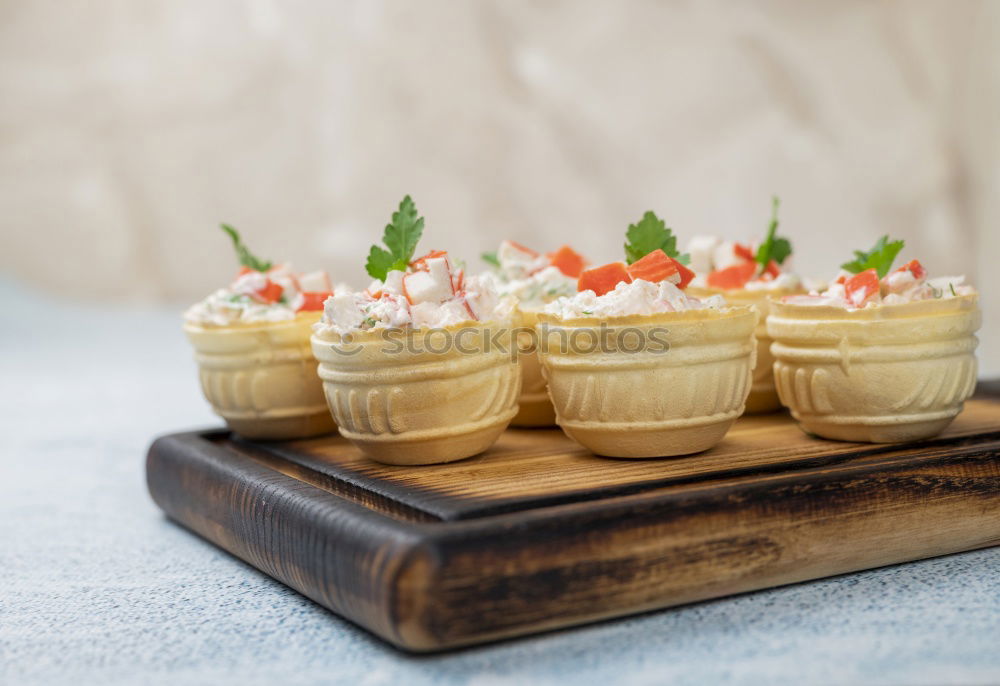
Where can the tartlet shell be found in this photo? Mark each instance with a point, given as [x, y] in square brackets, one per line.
[415, 408]
[535, 408]
[261, 377]
[881, 374]
[652, 404]
[763, 396]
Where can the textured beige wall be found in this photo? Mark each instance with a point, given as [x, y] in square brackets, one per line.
[128, 130]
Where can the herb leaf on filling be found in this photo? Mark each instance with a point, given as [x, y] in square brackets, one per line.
[649, 234]
[400, 237]
[243, 254]
[879, 258]
[774, 247]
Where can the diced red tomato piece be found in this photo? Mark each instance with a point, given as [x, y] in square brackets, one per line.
[603, 279]
[733, 277]
[841, 279]
[915, 268]
[421, 262]
[862, 286]
[657, 266]
[654, 267]
[686, 275]
[312, 301]
[270, 293]
[743, 251]
[568, 261]
[772, 269]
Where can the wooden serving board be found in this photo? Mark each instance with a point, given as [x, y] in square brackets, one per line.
[538, 534]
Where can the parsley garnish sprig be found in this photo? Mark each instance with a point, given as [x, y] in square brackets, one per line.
[879, 258]
[651, 233]
[774, 247]
[400, 237]
[243, 254]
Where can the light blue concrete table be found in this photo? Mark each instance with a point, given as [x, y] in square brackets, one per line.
[96, 587]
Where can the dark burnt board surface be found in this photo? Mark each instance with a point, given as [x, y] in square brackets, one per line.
[538, 534]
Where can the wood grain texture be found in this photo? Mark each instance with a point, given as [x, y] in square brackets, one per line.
[530, 468]
[538, 534]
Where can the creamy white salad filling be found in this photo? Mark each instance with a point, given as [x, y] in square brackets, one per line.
[710, 253]
[900, 286]
[434, 296]
[529, 277]
[259, 297]
[782, 282]
[636, 297]
[226, 307]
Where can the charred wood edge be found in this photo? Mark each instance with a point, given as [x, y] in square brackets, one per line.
[368, 493]
[412, 502]
[588, 550]
[334, 551]
[369, 566]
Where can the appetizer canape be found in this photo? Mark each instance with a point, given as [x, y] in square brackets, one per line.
[636, 367]
[419, 368]
[747, 274]
[535, 280]
[252, 346]
[881, 355]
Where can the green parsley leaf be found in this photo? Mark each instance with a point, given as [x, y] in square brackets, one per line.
[491, 258]
[246, 258]
[651, 233]
[879, 258]
[774, 247]
[400, 237]
[380, 262]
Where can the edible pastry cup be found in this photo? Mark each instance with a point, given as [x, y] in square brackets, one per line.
[261, 378]
[667, 384]
[881, 374]
[534, 404]
[763, 396]
[423, 396]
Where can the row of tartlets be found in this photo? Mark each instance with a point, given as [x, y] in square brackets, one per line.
[654, 355]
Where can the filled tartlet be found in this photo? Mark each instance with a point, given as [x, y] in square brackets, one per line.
[748, 274]
[534, 279]
[636, 367]
[419, 368]
[882, 355]
[251, 343]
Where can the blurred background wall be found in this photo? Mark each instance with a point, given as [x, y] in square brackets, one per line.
[129, 129]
